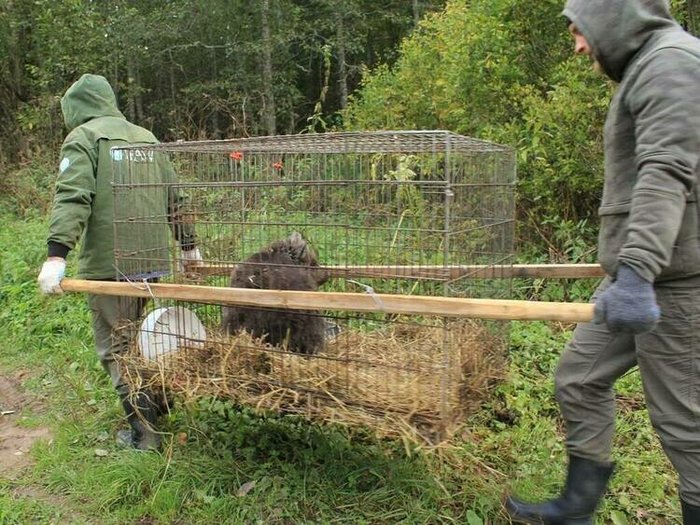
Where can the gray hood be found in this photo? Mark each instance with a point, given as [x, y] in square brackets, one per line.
[617, 29]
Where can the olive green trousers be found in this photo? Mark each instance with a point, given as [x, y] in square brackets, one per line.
[669, 363]
[109, 314]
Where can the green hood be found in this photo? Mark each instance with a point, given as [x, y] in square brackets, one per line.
[617, 29]
[89, 97]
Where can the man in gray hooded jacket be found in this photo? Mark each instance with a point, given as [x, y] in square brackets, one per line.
[647, 311]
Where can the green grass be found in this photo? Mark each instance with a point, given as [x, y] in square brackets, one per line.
[238, 468]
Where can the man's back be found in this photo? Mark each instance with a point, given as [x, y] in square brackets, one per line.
[84, 202]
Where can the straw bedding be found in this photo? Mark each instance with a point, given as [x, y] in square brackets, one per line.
[403, 380]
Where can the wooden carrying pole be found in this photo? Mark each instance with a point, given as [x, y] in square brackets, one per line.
[531, 271]
[354, 302]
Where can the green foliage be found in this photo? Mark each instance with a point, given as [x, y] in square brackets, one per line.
[28, 190]
[499, 70]
[14, 512]
[461, 69]
[560, 152]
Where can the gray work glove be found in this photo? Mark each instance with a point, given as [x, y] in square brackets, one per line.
[628, 305]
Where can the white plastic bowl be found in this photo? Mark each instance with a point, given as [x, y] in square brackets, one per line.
[165, 330]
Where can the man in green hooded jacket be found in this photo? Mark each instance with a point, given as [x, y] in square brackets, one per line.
[83, 209]
[647, 311]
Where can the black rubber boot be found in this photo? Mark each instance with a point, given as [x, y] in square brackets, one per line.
[691, 514]
[142, 414]
[586, 483]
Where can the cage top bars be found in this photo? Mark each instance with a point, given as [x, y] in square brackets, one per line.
[341, 142]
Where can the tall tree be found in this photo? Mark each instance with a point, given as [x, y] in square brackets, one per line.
[693, 10]
[14, 45]
[342, 60]
[269, 111]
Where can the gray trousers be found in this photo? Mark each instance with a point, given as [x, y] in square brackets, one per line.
[669, 363]
[108, 313]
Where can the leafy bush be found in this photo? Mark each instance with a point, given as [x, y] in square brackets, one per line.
[560, 161]
[27, 190]
[475, 69]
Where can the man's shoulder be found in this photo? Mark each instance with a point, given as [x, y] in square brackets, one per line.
[673, 41]
[112, 128]
[673, 53]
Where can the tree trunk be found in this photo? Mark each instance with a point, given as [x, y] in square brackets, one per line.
[130, 80]
[175, 118]
[216, 131]
[269, 111]
[693, 7]
[342, 66]
[14, 88]
[139, 98]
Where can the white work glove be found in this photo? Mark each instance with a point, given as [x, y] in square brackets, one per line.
[189, 259]
[52, 271]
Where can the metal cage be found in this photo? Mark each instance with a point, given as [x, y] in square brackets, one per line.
[412, 213]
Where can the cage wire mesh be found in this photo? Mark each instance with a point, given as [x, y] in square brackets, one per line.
[414, 213]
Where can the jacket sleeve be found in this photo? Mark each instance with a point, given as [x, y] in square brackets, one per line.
[75, 190]
[665, 104]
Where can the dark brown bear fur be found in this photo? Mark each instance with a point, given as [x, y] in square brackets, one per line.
[288, 264]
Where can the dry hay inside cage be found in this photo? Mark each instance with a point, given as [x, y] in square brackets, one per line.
[403, 380]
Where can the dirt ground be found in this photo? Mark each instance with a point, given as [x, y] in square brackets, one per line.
[15, 439]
